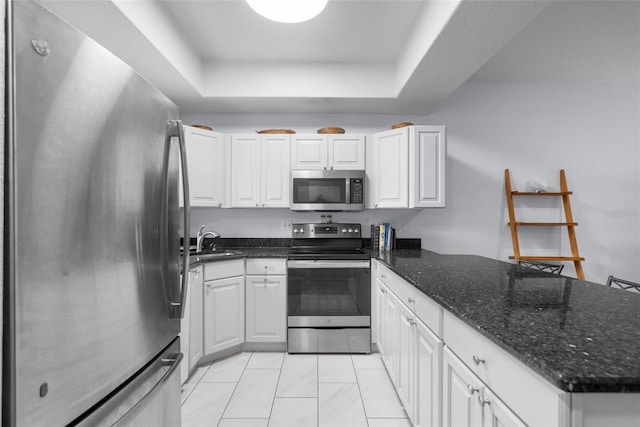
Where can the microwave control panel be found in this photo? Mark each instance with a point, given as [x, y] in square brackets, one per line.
[357, 190]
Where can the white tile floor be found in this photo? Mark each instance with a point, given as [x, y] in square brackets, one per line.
[280, 389]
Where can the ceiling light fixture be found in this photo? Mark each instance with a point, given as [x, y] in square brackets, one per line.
[288, 11]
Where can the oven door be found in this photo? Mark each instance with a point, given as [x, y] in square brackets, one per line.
[328, 293]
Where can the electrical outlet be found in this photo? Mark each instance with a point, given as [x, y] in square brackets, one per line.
[286, 225]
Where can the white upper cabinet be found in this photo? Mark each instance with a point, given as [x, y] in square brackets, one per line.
[205, 165]
[406, 168]
[388, 172]
[328, 151]
[428, 151]
[259, 170]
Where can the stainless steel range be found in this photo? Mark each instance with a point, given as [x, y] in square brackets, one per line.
[329, 290]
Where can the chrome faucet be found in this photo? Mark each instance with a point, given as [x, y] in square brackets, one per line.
[200, 238]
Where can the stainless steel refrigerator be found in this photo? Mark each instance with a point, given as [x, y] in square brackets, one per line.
[92, 279]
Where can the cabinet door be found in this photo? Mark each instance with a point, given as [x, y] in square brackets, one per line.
[196, 318]
[428, 155]
[380, 317]
[223, 314]
[405, 357]
[428, 379]
[346, 151]
[245, 171]
[497, 414]
[460, 405]
[391, 168]
[389, 332]
[275, 170]
[266, 311]
[205, 160]
[309, 152]
[185, 323]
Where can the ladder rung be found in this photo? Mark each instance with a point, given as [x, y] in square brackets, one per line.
[546, 224]
[542, 193]
[551, 258]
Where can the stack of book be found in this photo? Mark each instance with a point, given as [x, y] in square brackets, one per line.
[383, 237]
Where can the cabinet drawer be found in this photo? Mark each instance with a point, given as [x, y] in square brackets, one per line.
[223, 269]
[533, 398]
[266, 266]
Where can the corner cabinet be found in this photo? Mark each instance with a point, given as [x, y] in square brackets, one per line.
[206, 167]
[260, 171]
[266, 305]
[328, 151]
[223, 305]
[406, 168]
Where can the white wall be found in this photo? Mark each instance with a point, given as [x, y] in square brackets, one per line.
[591, 131]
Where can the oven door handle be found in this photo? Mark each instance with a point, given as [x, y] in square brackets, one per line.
[300, 264]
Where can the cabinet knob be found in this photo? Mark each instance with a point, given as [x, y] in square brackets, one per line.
[477, 360]
[472, 389]
[483, 401]
[257, 205]
[411, 300]
[220, 204]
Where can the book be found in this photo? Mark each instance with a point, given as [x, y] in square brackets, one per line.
[387, 236]
[375, 237]
[382, 234]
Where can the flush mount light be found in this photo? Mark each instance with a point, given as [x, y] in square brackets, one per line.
[288, 11]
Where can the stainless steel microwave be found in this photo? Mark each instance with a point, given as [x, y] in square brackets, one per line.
[327, 190]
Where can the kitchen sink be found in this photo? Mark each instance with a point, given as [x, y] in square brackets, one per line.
[203, 256]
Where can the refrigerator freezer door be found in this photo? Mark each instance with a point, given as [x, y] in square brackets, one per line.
[151, 399]
[90, 299]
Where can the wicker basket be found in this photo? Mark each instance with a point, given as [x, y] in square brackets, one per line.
[401, 125]
[331, 130]
[276, 131]
[202, 127]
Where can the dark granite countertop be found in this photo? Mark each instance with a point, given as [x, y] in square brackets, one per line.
[581, 336]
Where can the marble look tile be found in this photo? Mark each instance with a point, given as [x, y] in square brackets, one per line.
[335, 368]
[339, 404]
[378, 395]
[227, 370]
[389, 422]
[299, 377]
[254, 394]
[206, 404]
[187, 388]
[265, 361]
[294, 412]
[367, 361]
[244, 422]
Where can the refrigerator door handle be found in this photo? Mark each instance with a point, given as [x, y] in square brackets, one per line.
[176, 129]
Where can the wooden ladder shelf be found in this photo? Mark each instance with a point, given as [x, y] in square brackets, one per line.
[570, 224]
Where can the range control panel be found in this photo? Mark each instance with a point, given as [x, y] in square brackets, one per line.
[326, 231]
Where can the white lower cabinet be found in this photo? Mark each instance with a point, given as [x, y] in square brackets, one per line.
[266, 302]
[428, 377]
[223, 305]
[468, 402]
[411, 352]
[387, 308]
[460, 405]
[196, 317]
[191, 343]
